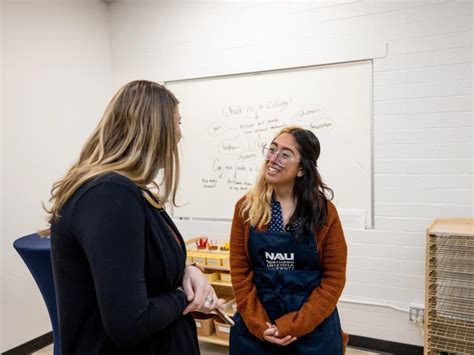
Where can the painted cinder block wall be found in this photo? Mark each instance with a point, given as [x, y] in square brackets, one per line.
[62, 60]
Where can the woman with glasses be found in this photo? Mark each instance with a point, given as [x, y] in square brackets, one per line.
[121, 282]
[288, 255]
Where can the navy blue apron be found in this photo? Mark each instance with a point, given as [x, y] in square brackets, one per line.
[286, 272]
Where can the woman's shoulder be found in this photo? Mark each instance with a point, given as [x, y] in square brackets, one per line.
[332, 212]
[108, 183]
[238, 208]
[101, 192]
[112, 178]
[240, 201]
[331, 207]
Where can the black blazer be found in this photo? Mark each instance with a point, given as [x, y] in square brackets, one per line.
[117, 266]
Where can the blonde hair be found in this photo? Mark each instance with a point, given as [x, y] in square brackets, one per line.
[136, 137]
[256, 208]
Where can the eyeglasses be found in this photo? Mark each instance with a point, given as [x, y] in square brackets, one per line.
[283, 156]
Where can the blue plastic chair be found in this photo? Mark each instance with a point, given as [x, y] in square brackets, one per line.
[36, 253]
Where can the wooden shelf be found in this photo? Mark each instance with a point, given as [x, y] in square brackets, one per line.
[449, 288]
[211, 267]
[221, 283]
[213, 339]
[223, 289]
[452, 226]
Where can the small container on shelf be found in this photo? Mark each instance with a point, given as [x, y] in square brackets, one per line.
[225, 247]
[214, 260]
[201, 242]
[211, 276]
[199, 258]
[225, 277]
[204, 323]
[212, 245]
[189, 256]
[225, 261]
[222, 328]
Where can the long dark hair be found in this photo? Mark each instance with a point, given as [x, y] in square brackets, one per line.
[311, 192]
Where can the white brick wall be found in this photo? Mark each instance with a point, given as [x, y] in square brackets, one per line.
[1, 175]
[423, 123]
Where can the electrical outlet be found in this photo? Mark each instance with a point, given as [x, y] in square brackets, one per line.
[417, 314]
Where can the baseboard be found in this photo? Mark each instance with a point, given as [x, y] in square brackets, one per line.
[384, 346]
[31, 346]
[355, 341]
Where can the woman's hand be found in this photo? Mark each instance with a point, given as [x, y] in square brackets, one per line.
[272, 336]
[200, 294]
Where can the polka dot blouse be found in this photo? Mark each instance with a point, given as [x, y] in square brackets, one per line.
[276, 221]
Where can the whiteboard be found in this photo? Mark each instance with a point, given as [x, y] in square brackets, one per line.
[227, 119]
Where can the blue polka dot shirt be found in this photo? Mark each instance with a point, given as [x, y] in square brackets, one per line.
[276, 221]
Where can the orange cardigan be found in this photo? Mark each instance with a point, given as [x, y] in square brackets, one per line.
[322, 301]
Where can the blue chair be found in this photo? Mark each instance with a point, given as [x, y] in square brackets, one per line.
[36, 253]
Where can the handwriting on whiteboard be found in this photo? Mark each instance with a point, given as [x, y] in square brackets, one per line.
[241, 132]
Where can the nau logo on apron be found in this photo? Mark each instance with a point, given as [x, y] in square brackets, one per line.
[280, 261]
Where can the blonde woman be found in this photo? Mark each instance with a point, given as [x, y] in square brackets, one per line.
[288, 256]
[121, 282]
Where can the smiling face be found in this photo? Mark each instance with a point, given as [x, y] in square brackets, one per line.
[282, 166]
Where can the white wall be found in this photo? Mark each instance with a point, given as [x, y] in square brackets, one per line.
[56, 83]
[423, 128]
[57, 71]
[1, 174]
